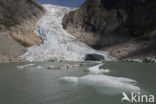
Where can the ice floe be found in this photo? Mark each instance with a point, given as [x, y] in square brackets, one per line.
[105, 84]
[97, 70]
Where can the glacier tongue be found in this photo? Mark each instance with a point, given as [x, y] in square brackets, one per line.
[58, 45]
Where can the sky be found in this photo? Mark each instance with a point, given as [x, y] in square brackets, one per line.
[68, 3]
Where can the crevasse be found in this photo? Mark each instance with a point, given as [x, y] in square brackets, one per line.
[58, 45]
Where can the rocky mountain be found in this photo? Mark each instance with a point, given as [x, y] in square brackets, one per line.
[125, 28]
[17, 26]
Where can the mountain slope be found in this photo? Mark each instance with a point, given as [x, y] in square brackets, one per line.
[118, 26]
[17, 25]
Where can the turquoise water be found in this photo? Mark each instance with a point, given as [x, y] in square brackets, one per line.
[38, 85]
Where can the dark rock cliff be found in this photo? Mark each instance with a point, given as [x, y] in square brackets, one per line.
[109, 24]
[17, 22]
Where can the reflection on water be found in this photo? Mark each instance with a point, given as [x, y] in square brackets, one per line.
[33, 83]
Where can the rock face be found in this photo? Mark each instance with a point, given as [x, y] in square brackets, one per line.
[109, 23]
[19, 17]
[17, 22]
[94, 57]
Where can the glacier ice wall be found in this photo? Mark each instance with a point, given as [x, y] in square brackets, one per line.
[58, 45]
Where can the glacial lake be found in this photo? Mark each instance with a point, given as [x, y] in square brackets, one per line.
[35, 84]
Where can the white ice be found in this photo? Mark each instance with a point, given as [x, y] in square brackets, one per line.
[24, 66]
[97, 70]
[70, 79]
[58, 45]
[105, 84]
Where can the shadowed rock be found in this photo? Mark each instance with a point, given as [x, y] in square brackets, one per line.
[109, 24]
[94, 57]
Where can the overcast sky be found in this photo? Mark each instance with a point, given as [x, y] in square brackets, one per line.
[69, 3]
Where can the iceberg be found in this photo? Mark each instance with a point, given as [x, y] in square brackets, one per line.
[105, 84]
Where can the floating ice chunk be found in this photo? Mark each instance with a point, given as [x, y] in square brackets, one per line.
[24, 66]
[96, 69]
[39, 67]
[108, 84]
[127, 80]
[105, 84]
[20, 67]
[70, 79]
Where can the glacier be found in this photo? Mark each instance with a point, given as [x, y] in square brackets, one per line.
[58, 45]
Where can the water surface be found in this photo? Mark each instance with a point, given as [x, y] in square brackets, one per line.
[38, 85]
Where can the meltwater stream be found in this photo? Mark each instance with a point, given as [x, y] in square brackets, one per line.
[58, 45]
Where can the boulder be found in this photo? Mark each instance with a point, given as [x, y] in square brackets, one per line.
[54, 67]
[149, 59]
[65, 66]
